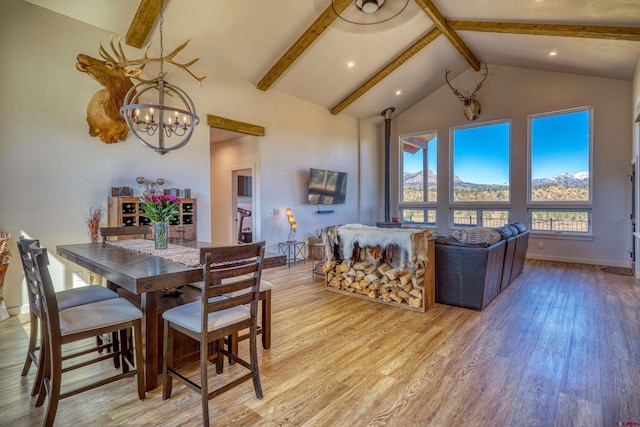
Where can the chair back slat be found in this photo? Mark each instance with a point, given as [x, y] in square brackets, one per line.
[143, 231]
[226, 303]
[221, 287]
[231, 262]
[229, 254]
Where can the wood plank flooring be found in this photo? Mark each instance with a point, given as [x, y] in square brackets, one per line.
[560, 346]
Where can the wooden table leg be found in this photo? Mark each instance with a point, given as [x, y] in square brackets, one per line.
[149, 302]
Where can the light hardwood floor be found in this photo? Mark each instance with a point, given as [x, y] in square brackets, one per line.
[561, 346]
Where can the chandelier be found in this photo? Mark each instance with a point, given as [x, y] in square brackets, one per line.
[161, 116]
[370, 12]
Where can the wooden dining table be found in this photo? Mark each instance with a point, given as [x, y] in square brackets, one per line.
[146, 276]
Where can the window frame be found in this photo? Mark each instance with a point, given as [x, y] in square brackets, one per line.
[478, 204]
[424, 223]
[479, 215]
[560, 205]
[551, 204]
[423, 205]
[588, 211]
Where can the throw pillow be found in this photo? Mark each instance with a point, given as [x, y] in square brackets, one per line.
[476, 235]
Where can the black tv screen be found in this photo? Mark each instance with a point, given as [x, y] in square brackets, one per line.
[327, 187]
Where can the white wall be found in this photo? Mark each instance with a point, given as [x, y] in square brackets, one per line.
[514, 93]
[635, 154]
[51, 167]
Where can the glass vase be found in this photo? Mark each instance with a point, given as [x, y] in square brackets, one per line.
[161, 234]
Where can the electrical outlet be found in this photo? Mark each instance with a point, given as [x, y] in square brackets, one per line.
[270, 212]
[540, 244]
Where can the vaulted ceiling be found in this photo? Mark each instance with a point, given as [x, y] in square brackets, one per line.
[302, 48]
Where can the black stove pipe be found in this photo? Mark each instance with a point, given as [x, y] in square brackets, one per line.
[387, 159]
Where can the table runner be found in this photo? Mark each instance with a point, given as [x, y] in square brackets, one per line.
[177, 253]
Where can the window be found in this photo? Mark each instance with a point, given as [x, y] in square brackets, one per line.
[559, 221]
[560, 157]
[480, 163]
[427, 216]
[419, 172]
[560, 172]
[480, 217]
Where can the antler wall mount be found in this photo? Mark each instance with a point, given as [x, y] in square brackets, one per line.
[114, 72]
[470, 104]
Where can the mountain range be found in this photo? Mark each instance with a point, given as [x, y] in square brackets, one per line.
[578, 179]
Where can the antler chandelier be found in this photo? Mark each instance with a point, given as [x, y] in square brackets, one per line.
[164, 125]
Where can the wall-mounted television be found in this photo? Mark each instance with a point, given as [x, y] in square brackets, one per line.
[326, 187]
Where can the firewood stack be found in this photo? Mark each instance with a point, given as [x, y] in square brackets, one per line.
[394, 273]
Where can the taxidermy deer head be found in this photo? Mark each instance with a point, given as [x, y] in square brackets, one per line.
[471, 106]
[115, 74]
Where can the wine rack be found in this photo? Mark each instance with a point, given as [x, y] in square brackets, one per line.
[125, 212]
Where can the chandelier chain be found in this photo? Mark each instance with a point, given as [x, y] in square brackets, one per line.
[161, 44]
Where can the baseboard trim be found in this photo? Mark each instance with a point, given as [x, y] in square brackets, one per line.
[609, 263]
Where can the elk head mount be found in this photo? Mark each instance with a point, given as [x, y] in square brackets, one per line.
[115, 74]
[470, 105]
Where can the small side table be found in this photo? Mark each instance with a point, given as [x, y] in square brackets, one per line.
[316, 261]
[294, 251]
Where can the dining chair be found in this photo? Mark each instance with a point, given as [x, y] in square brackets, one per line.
[79, 323]
[216, 317]
[137, 232]
[66, 299]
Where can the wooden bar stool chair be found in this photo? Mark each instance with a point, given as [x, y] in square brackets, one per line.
[66, 299]
[216, 317]
[79, 323]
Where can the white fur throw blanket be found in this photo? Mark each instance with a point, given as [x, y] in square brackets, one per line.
[407, 240]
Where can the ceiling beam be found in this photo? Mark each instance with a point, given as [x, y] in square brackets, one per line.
[304, 41]
[441, 23]
[234, 125]
[142, 23]
[559, 30]
[386, 70]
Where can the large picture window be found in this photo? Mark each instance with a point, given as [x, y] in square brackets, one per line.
[560, 157]
[560, 172]
[480, 163]
[419, 177]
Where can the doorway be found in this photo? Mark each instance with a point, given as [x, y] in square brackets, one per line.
[234, 166]
[242, 192]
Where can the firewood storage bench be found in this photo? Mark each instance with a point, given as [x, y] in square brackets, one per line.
[393, 266]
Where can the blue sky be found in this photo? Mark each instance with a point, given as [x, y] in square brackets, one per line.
[560, 145]
[481, 154]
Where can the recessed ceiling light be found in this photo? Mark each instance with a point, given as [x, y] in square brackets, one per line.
[398, 92]
[553, 53]
[350, 64]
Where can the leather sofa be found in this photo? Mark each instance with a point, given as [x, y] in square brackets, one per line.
[472, 275]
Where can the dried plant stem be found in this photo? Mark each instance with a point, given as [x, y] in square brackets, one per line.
[93, 222]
